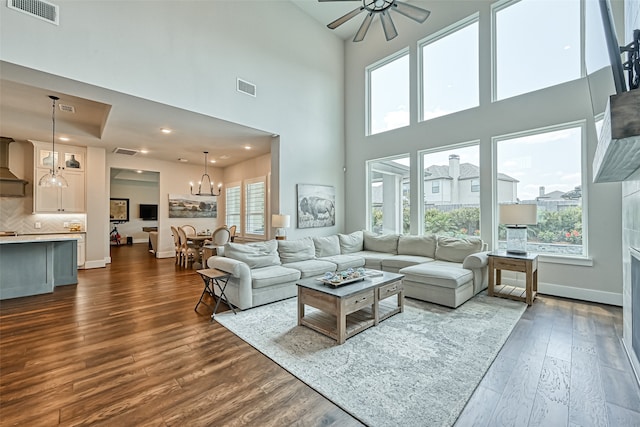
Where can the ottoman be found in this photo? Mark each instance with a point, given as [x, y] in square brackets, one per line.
[440, 282]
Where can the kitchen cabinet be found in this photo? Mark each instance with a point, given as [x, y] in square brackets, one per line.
[69, 161]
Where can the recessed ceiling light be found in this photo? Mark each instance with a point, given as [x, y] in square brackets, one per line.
[165, 130]
[212, 161]
[247, 147]
[63, 138]
[138, 171]
[144, 151]
[182, 160]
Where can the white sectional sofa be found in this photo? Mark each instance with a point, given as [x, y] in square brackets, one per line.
[443, 270]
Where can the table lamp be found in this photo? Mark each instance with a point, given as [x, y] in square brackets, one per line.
[280, 223]
[516, 217]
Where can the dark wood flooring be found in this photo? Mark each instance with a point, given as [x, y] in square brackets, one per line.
[124, 347]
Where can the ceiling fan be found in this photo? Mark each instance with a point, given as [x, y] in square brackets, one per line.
[382, 8]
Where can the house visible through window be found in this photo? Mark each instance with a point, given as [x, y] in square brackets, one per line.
[389, 197]
[452, 208]
[548, 167]
[388, 93]
[475, 185]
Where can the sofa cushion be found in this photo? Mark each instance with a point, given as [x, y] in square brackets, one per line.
[438, 273]
[312, 267]
[418, 245]
[373, 259]
[273, 275]
[397, 262]
[456, 249]
[387, 243]
[343, 262]
[350, 243]
[255, 255]
[327, 246]
[296, 250]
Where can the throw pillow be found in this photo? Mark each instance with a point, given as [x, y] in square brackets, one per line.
[327, 246]
[418, 245]
[296, 250]
[387, 243]
[255, 255]
[350, 243]
[456, 250]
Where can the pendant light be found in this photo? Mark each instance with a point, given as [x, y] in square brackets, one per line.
[52, 179]
[208, 179]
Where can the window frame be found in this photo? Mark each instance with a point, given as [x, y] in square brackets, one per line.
[432, 38]
[369, 195]
[246, 213]
[373, 67]
[550, 257]
[240, 223]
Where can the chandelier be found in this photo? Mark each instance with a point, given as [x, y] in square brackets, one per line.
[206, 177]
[52, 179]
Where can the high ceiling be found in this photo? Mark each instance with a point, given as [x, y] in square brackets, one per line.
[124, 121]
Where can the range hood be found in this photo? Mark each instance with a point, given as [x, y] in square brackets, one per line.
[618, 153]
[10, 185]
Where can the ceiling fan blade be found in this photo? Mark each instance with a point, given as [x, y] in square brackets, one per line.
[387, 25]
[335, 24]
[364, 27]
[416, 13]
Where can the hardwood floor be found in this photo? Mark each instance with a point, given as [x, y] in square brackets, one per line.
[124, 347]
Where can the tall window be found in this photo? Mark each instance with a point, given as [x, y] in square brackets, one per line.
[545, 167]
[450, 80]
[537, 45]
[255, 206]
[233, 206]
[454, 210]
[388, 93]
[388, 198]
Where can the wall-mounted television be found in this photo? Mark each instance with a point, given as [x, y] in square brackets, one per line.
[148, 212]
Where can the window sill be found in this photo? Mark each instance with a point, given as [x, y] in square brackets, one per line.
[582, 261]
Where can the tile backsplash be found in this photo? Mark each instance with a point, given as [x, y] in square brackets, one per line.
[15, 215]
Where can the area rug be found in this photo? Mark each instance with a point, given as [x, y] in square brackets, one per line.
[417, 368]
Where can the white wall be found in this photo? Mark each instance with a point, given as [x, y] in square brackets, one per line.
[188, 54]
[568, 102]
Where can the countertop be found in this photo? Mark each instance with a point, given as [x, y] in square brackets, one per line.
[40, 238]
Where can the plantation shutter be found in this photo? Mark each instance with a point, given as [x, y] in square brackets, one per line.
[255, 207]
[232, 213]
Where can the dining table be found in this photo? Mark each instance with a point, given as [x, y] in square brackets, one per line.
[198, 239]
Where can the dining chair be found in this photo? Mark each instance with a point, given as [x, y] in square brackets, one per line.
[190, 230]
[232, 233]
[176, 244]
[188, 252]
[220, 236]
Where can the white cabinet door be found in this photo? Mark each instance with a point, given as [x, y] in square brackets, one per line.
[47, 199]
[72, 197]
[81, 256]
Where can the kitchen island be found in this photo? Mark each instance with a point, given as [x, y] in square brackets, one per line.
[31, 265]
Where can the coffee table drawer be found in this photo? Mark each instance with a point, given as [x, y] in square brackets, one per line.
[356, 302]
[389, 290]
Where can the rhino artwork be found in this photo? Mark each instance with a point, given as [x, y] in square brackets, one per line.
[317, 207]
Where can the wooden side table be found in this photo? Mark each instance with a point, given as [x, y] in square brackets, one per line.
[527, 264]
[213, 277]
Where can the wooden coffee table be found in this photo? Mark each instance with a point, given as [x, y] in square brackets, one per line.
[349, 309]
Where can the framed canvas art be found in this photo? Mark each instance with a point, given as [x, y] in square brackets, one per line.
[118, 210]
[316, 205]
[191, 206]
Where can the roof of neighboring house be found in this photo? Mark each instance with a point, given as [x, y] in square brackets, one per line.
[554, 195]
[467, 171]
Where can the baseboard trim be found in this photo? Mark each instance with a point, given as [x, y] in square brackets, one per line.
[592, 295]
[166, 254]
[96, 264]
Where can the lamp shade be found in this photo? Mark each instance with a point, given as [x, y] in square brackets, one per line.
[280, 221]
[517, 214]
